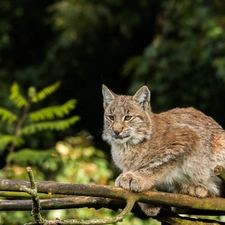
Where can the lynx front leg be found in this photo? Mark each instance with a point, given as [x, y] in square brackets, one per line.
[149, 209]
[134, 181]
[138, 182]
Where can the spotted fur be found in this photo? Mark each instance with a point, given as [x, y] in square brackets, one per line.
[175, 150]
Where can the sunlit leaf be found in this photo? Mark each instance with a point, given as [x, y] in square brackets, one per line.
[5, 140]
[45, 92]
[16, 96]
[49, 125]
[7, 116]
[50, 113]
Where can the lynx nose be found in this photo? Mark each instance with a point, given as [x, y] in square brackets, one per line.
[117, 132]
[117, 128]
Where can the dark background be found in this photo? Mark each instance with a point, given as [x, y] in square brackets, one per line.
[178, 47]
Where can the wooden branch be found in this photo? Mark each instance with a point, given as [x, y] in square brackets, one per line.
[97, 203]
[15, 194]
[220, 172]
[36, 206]
[178, 220]
[65, 195]
[161, 198]
[64, 203]
[120, 217]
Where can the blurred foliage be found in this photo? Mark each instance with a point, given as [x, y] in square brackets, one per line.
[89, 165]
[23, 123]
[76, 41]
[185, 62]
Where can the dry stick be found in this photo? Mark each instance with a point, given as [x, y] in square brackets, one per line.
[130, 203]
[36, 207]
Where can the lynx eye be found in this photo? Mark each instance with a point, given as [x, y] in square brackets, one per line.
[127, 118]
[110, 117]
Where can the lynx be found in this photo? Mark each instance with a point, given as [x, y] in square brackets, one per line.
[175, 150]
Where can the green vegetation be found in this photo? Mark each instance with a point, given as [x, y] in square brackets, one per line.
[24, 123]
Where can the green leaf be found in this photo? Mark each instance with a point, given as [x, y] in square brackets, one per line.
[8, 139]
[47, 159]
[45, 92]
[7, 116]
[49, 113]
[49, 125]
[16, 97]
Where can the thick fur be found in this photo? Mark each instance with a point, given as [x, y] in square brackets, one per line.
[175, 150]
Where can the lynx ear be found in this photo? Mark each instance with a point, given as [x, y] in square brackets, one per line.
[108, 96]
[142, 97]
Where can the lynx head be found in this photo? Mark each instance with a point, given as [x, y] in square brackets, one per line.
[126, 118]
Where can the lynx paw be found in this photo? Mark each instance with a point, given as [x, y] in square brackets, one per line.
[132, 182]
[149, 210]
[197, 191]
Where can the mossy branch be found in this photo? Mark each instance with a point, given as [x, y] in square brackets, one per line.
[36, 206]
[98, 196]
[162, 198]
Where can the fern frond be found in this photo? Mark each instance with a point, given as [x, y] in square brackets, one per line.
[49, 125]
[49, 113]
[40, 158]
[45, 92]
[7, 116]
[16, 97]
[8, 139]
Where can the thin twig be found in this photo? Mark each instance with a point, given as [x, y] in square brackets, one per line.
[130, 203]
[36, 206]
